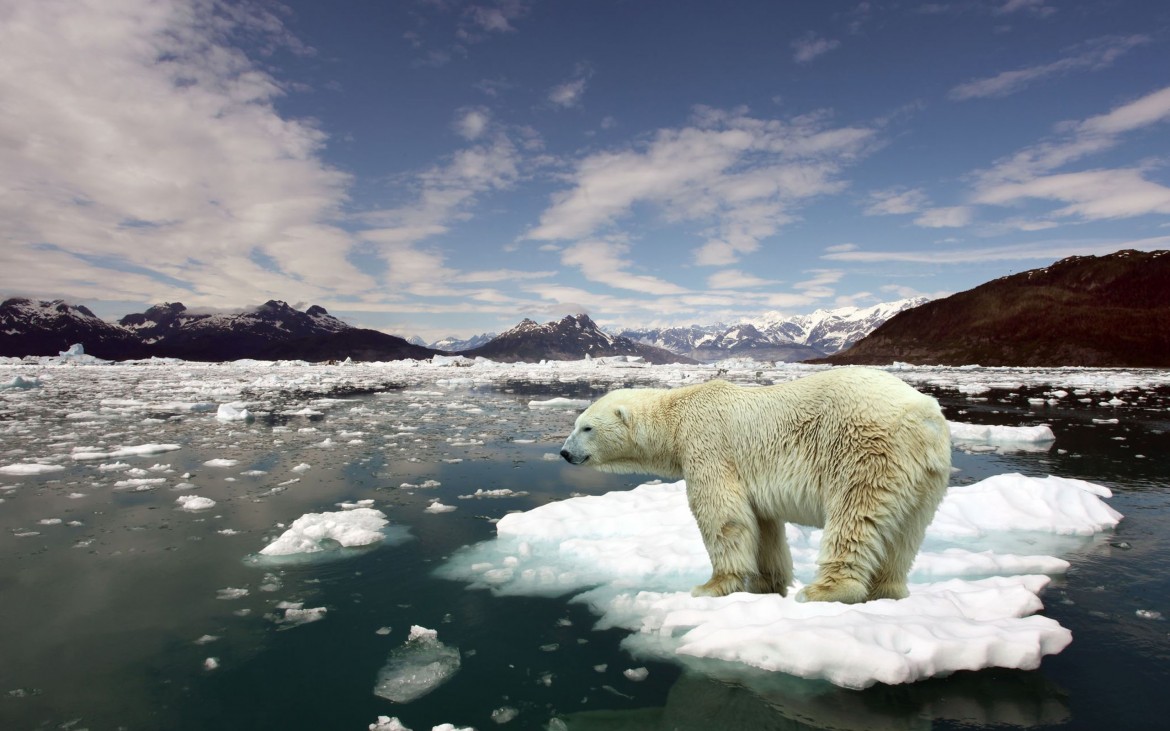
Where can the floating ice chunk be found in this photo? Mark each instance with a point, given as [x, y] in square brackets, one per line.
[501, 492]
[194, 502]
[437, 507]
[302, 467]
[227, 412]
[321, 532]
[231, 593]
[636, 674]
[220, 462]
[88, 453]
[416, 668]
[560, 403]
[388, 723]
[113, 466]
[295, 616]
[140, 483]
[1000, 434]
[504, 714]
[211, 663]
[30, 468]
[21, 382]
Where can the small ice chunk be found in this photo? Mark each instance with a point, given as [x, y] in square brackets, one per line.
[636, 674]
[302, 467]
[504, 714]
[437, 507]
[227, 412]
[388, 723]
[560, 403]
[420, 665]
[1148, 614]
[311, 532]
[295, 616]
[211, 663]
[231, 593]
[206, 639]
[194, 502]
[219, 462]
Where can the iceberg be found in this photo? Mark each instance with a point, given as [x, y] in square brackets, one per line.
[321, 532]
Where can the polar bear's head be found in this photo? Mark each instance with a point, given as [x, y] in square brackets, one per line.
[616, 433]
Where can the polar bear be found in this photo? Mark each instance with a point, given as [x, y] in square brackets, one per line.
[853, 450]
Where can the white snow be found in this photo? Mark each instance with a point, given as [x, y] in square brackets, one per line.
[316, 532]
[633, 556]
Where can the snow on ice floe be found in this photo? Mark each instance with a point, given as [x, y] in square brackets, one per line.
[323, 534]
[633, 556]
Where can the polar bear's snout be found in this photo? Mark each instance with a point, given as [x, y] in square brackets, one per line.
[572, 453]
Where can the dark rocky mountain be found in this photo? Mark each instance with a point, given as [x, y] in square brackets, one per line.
[773, 336]
[1096, 311]
[274, 330]
[572, 338]
[32, 327]
[271, 331]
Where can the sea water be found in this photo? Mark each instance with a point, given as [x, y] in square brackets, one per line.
[134, 592]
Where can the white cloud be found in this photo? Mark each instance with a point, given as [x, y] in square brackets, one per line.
[810, 46]
[736, 280]
[569, 93]
[1044, 250]
[472, 123]
[1095, 194]
[738, 177]
[1034, 7]
[1091, 195]
[165, 163]
[896, 201]
[947, 217]
[605, 262]
[1099, 54]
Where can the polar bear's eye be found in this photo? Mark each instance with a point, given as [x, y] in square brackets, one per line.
[587, 428]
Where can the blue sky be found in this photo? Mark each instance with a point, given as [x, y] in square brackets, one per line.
[436, 167]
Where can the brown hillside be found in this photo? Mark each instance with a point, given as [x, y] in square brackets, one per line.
[1104, 311]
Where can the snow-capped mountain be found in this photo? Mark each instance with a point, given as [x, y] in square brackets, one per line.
[571, 338]
[773, 336]
[453, 344]
[35, 327]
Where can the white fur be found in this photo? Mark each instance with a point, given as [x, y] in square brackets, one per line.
[853, 450]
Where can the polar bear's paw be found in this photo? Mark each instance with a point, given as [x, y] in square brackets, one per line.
[721, 585]
[846, 591]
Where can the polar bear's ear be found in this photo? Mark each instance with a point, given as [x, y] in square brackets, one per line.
[623, 413]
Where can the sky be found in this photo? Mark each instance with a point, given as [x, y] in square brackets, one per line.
[437, 167]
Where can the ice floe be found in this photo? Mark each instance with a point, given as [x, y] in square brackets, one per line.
[633, 556]
[194, 502]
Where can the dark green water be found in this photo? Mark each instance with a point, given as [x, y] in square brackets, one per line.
[99, 622]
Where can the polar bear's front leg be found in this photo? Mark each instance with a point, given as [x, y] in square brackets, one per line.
[730, 535]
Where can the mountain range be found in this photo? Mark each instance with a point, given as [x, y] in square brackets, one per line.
[571, 338]
[773, 336]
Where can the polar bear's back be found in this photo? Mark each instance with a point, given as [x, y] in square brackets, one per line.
[815, 432]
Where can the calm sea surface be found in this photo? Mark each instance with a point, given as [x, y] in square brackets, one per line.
[112, 599]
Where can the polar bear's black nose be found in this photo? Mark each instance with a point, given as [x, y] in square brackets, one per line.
[568, 457]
